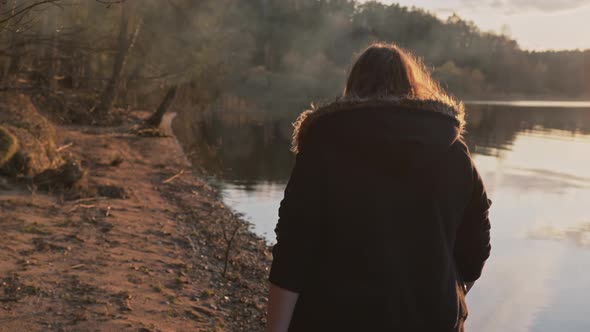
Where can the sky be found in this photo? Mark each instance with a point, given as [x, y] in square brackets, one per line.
[535, 24]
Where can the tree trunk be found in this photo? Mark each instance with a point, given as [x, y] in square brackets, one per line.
[156, 118]
[14, 62]
[109, 94]
[124, 83]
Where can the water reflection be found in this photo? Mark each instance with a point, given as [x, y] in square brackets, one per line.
[537, 180]
[249, 148]
[535, 163]
[492, 129]
[534, 103]
[243, 149]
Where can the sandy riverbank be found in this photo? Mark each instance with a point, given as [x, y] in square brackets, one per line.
[150, 260]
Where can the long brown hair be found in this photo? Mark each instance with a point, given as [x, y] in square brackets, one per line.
[385, 71]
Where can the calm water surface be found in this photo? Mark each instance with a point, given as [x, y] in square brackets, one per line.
[535, 161]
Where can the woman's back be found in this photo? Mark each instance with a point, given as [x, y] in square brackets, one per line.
[386, 185]
[383, 219]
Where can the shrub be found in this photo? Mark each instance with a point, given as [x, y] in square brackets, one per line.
[8, 146]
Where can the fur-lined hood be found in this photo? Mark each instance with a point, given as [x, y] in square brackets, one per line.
[311, 118]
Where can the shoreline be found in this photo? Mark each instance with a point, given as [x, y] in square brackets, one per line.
[150, 260]
[524, 103]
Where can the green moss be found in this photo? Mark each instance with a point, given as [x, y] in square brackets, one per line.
[8, 146]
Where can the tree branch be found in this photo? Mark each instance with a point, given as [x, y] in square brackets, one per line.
[23, 11]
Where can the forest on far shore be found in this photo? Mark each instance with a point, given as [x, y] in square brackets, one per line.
[130, 53]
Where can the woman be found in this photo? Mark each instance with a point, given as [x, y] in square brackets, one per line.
[384, 224]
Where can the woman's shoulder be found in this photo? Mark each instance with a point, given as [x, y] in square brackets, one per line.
[373, 121]
[459, 158]
[460, 146]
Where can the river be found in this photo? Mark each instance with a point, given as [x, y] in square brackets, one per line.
[535, 160]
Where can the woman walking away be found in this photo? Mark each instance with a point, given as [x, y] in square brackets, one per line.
[384, 224]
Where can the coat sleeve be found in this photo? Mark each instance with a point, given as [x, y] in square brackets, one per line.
[472, 246]
[293, 248]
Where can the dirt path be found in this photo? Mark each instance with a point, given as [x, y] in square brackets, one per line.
[149, 260]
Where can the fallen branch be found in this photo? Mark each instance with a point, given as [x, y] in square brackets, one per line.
[89, 199]
[174, 177]
[63, 147]
[156, 118]
[190, 241]
[81, 206]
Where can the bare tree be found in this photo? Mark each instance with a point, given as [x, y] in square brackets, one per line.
[109, 94]
[18, 13]
[14, 21]
[124, 46]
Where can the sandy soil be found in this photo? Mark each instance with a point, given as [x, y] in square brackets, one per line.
[150, 260]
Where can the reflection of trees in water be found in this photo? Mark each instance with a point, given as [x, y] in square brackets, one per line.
[251, 147]
[242, 147]
[492, 129]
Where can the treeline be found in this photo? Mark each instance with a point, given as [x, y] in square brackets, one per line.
[313, 43]
[129, 53]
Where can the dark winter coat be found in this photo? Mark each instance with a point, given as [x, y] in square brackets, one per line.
[383, 217]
